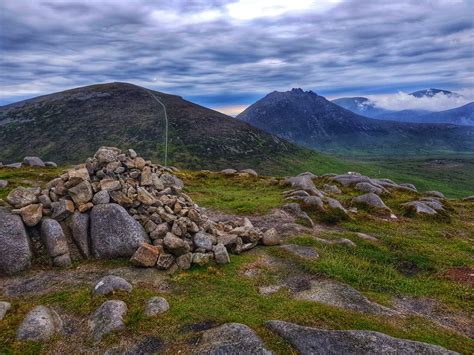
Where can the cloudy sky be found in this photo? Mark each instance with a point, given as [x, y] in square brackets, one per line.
[227, 53]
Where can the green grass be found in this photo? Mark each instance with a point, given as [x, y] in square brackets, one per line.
[27, 176]
[233, 194]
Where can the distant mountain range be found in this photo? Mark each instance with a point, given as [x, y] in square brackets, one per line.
[69, 126]
[311, 120]
[365, 107]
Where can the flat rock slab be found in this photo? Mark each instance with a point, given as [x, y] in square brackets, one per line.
[308, 340]
[343, 296]
[307, 253]
[15, 251]
[110, 283]
[231, 338]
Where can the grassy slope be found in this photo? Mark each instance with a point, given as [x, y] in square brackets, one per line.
[223, 294]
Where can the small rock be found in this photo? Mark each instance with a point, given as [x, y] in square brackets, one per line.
[33, 161]
[108, 318]
[228, 171]
[50, 164]
[271, 237]
[110, 185]
[76, 176]
[21, 197]
[434, 194]
[32, 214]
[370, 200]
[203, 240]
[85, 207]
[62, 260]
[4, 308]
[201, 259]
[40, 324]
[419, 208]
[366, 237]
[81, 193]
[269, 290]
[156, 306]
[184, 261]
[165, 261]
[109, 284]
[145, 197]
[220, 254]
[53, 238]
[3, 184]
[101, 197]
[368, 187]
[62, 209]
[176, 245]
[250, 172]
[145, 256]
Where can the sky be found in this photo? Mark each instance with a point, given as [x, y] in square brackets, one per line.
[226, 54]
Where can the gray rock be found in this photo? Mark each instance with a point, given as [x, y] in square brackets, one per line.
[332, 189]
[308, 340]
[228, 171]
[409, 186]
[40, 324]
[50, 164]
[231, 339]
[434, 194]
[62, 260]
[32, 214]
[62, 209]
[307, 253]
[341, 295]
[79, 224]
[165, 261]
[313, 203]
[305, 183]
[201, 259]
[184, 261]
[170, 180]
[114, 233]
[53, 238]
[249, 171]
[110, 283]
[469, 198]
[15, 250]
[21, 197]
[108, 318]
[4, 308]
[350, 179]
[269, 290]
[203, 240]
[368, 187]
[271, 237]
[220, 254]
[81, 193]
[13, 165]
[335, 205]
[3, 184]
[433, 203]
[106, 154]
[419, 208]
[33, 161]
[175, 245]
[156, 306]
[370, 200]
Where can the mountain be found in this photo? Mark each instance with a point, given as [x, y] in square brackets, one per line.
[311, 120]
[361, 105]
[463, 115]
[403, 115]
[69, 126]
[433, 92]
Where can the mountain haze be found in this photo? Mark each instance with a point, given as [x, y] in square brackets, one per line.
[311, 120]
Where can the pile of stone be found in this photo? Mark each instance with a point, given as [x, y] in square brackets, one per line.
[30, 161]
[118, 204]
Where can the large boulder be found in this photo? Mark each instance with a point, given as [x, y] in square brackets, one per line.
[32, 214]
[15, 250]
[33, 161]
[308, 340]
[418, 208]
[156, 306]
[40, 324]
[55, 241]
[114, 233]
[231, 338]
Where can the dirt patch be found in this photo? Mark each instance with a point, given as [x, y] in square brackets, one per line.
[464, 275]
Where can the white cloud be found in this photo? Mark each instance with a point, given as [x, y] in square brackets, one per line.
[439, 102]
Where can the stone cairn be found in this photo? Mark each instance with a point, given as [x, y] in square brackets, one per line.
[120, 205]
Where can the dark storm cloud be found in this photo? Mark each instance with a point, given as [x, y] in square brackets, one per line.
[223, 52]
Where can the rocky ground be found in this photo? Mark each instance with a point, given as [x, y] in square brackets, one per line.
[346, 264]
